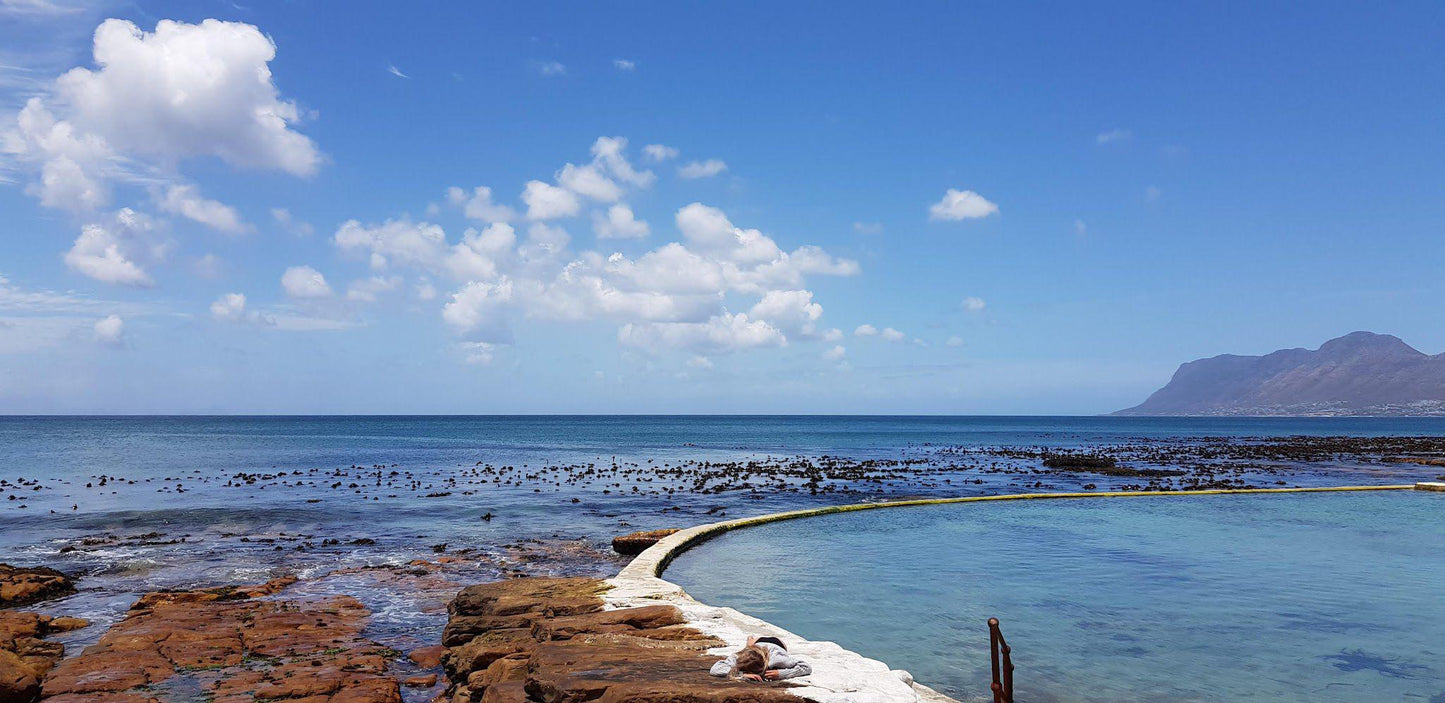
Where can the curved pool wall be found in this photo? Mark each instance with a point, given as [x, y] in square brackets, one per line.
[1295, 597]
[841, 675]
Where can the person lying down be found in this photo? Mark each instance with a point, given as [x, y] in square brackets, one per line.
[764, 658]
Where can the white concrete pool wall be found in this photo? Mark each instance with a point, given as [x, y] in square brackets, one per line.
[839, 675]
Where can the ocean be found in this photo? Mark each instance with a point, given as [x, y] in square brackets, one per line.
[132, 504]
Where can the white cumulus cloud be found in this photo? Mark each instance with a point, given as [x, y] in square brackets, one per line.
[111, 251]
[961, 205]
[477, 307]
[394, 242]
[546, 201]
[478, 205]
[618, 223]
[304, 282]
[189, 90]
[230, 307]
[974, 304]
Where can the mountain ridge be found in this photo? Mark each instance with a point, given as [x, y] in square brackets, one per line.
[1361, 373]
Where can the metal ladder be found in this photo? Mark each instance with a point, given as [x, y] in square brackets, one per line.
[1003, 665]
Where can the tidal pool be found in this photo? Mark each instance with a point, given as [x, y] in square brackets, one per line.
[1284, 597]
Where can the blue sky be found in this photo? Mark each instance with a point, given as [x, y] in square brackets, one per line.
[855, 208]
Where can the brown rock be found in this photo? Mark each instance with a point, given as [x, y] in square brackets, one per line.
[484, 649]
[428, 657]
[637, 542]
[461, 629]
[23, 586]
[610, 673]
[426, 681]
[102, 698]
[66, 624]
[509, 668]
[20, 634]
[624, 620]
[19, 682]
[572, 651]
[545, 596]
[509, 692]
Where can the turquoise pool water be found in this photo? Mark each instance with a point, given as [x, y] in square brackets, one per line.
[1299, 597]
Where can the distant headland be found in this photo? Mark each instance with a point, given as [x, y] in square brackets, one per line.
[1359, 374]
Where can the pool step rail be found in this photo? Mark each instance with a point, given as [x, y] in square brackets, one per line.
[1003, 664]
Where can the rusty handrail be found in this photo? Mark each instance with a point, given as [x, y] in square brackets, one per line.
[1003, 666]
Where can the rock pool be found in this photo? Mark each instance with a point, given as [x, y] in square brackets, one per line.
[1289, 597]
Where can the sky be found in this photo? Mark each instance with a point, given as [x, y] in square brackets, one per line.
[657, 207]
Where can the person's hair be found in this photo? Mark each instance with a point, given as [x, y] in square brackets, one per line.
[751, 660]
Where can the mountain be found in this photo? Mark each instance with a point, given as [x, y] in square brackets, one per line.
[1361, 373]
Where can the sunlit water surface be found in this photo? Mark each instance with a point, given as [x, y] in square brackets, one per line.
[1301, 597]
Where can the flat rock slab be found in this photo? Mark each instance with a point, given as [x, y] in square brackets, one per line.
[552, 640]
[635, 543]
[225, 645]
[24, 656]
[23, 586]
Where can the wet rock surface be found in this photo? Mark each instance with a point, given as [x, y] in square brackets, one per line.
[229, 645]
[25, 658]
[634, 543]
[550, 640]
[23, 586]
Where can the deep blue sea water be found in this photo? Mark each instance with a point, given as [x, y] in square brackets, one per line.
[1291, 597]
[137, 503]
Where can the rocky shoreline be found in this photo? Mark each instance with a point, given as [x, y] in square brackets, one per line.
[516, 640]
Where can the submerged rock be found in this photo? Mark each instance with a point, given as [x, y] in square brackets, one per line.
[633, 544]
[230, 646]
[23, 586]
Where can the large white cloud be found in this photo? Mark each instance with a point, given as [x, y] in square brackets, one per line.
[188, 90]
[674, 296]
